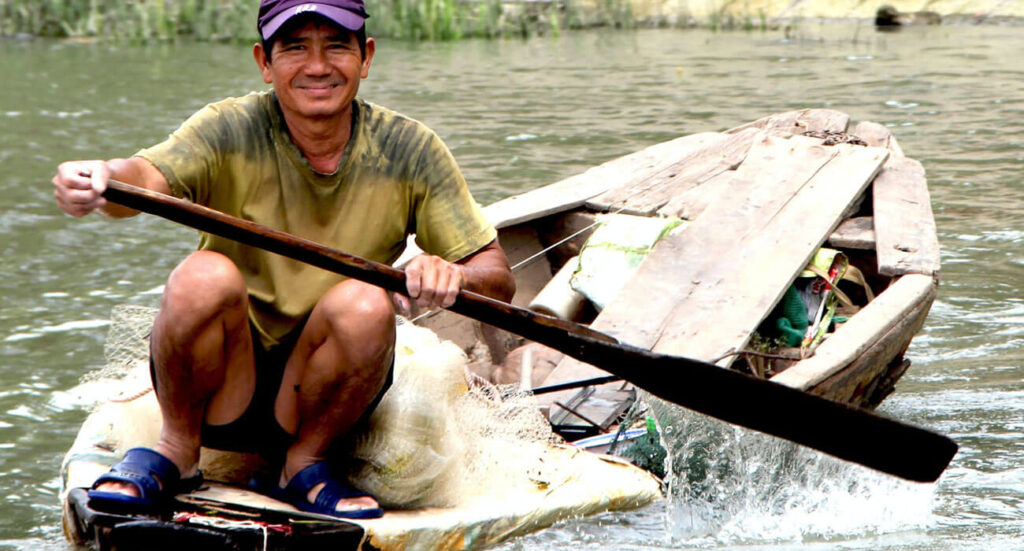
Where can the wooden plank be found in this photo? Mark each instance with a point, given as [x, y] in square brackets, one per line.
[691, 203]
[853, 338]
[904, 225]
[646, 195]
[854, 233]
[796, 123]
[733, 295]
[572, 192]
[775, 168]
[772, 172]
[876, 135]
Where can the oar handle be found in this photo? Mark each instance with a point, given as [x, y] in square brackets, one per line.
[211, 221]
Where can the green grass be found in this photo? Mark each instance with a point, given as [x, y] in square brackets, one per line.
[133, 21]
[164, 20]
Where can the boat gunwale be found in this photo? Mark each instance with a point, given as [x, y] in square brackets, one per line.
[909, 294]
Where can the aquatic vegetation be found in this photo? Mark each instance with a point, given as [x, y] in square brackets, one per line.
[139, 21]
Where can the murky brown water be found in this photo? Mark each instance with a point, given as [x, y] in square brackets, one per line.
[518, 114]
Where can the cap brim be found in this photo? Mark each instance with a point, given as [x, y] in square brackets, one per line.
[344, 18]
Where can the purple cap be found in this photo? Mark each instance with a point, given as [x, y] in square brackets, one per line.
[350, 14]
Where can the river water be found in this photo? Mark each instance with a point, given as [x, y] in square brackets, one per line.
[519, 114]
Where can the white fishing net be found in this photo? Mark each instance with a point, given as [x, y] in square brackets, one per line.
[434, 440]
[125, 374]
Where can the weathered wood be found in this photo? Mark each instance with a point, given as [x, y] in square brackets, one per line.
[904, 225]
[572, 192]
[689, 204]
[597, 406]
[646, 195]
[865, 380]
[876, 135]
[851, 340]
[796, 123]
[737, 292]
[854, 233]
[774, 169]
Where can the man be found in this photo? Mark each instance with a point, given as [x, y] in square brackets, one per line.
[251, 351]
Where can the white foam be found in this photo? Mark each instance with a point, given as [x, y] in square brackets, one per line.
[734, 486]
[21, 337]
[158, 290]
[25, 413]
[74, 326]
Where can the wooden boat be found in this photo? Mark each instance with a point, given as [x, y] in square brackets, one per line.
[760, 200]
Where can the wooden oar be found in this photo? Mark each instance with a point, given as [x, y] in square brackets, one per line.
[837, 429]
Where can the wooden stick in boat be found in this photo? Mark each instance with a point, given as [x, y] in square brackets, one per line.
[837, 429]
[574, 384]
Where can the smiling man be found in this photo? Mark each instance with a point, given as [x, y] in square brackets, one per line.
[254, 352]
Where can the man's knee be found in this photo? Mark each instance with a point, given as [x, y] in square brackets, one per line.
[359, 306]
[204, 284]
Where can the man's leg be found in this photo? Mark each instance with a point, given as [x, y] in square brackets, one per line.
[337, 368]
[202, 355]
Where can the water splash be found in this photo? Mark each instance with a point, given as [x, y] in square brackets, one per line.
[729, 485]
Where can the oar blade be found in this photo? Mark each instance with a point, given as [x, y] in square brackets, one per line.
[847, 432]
[841, 430]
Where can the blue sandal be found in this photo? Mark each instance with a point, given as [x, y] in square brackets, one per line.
[155, 476]
[334, 490]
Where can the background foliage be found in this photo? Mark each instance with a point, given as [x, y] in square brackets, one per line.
[161, 20]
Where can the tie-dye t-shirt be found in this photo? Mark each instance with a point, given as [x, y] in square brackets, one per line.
[396, 178]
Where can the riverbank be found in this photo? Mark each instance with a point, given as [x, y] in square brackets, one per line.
[770, 12]
[231, 20]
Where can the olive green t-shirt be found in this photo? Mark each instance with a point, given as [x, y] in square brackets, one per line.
[396, 178]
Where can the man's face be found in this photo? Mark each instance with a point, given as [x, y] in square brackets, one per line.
[315, 68]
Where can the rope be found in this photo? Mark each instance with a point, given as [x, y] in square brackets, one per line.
[538, 254]
[132, 397]
[547, 249]
[218, 522]
[745, 352]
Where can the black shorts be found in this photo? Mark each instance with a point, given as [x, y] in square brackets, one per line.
[257, 429]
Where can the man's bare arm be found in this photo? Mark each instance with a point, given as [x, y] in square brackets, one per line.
[79, 185]
[487, 272]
